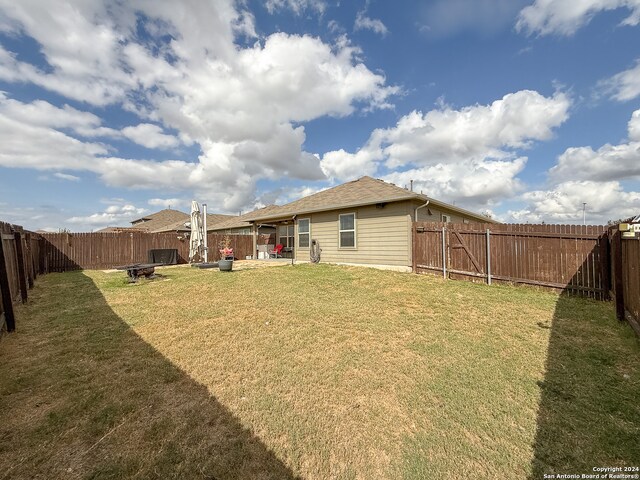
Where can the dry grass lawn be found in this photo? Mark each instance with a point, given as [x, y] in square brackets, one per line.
[315, 372]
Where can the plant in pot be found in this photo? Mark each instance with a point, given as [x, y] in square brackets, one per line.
[226, 254]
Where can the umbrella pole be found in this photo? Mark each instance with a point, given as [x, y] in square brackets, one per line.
[204, 227]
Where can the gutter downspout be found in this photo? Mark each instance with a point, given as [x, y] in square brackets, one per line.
[418, 208]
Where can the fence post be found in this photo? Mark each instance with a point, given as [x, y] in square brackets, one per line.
[22, 274]
[444, 253]
[5, 291]
[30, 271]
[488, 257]
[618, 285]
[605, 265]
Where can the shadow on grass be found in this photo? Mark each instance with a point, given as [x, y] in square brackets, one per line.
[93, 400]
[589, 412]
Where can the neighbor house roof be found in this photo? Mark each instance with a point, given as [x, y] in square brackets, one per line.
[155, 221]
[213, 219]
[242, 221]
[361, 192]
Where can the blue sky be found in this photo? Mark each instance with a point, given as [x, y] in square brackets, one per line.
[524, 109]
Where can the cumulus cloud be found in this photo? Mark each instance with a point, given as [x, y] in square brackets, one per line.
[296, 6]
[609, 162]
[563, 203]
[596, 177]
[565, 17]
[363, 22]
[625, 85]
[150, 136]
[242, 106]
[634, 126]
[468, 154]
[114, 215]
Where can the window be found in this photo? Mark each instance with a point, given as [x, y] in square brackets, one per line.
[347, 226]
[304, 232]
[285, 235]
[446, 218]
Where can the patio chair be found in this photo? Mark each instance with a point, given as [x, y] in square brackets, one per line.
[277, 251]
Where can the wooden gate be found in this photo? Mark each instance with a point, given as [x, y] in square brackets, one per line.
[574, 258]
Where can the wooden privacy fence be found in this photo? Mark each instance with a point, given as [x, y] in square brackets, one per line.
[574, 258]
[625, 271]
[61, 252]
[19, 251]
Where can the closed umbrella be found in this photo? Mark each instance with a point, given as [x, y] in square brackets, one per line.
[196, 242]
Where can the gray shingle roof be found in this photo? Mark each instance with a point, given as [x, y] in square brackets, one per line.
[364, 191]
[241, 221]
[213, 219]
[154, 221]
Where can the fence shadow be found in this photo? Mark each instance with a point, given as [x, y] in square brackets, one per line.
[588, 415]
[107, 404]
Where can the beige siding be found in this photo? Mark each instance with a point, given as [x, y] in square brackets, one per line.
[436, 215]
[383, 235]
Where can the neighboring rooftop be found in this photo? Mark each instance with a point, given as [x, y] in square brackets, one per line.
[154, 221]
[364, 191]
[242, 221]
[213, 220]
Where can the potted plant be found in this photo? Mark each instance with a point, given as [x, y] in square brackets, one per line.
[226, 254]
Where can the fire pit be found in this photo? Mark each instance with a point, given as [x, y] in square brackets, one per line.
[137, 270]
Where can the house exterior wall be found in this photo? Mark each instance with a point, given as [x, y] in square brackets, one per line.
[436, 214]
[383, 235]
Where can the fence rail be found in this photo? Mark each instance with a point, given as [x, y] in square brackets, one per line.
[61, 252]
[573, 258]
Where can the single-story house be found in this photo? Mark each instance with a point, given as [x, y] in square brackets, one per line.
[366, 221]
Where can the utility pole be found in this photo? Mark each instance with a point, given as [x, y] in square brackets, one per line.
[584, 213]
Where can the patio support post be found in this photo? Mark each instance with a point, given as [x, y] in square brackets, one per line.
[254, 232]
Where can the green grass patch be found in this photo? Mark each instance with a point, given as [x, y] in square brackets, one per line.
[313, 371]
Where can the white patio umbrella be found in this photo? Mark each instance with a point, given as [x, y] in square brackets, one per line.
[196, 242]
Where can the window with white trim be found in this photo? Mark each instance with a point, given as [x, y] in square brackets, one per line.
[446, 218]
[347, 230]
[304, 232]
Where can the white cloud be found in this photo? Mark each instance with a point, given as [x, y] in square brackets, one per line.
[241, 105]
[363, 22]
[609, 162]
[565, 17]
[634, 126]
[150, 136]
[114, 215]
[467, 155]
[296, 6]
[583, 174]
[624, 85]
[468, 183]
[169, 202]
[563, 203]
[66, 176]
[43, 114]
